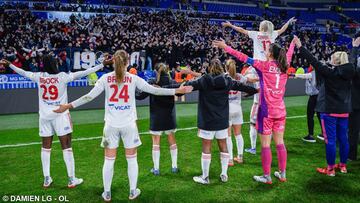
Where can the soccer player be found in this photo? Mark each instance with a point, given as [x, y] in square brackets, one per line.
[261, 40]
[213, 115]
[162, 118]
[272, 111]
[52, 92]
[120, 117]
[334, 105]
[235, 115]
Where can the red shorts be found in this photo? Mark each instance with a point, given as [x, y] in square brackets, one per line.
[266, 126]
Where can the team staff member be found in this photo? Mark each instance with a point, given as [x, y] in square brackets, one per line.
[334, 105]
[311, 89]
[354, 119]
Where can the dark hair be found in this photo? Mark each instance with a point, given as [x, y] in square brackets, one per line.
[279, 54]
[50, 64]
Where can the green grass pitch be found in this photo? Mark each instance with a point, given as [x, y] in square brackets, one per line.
[21, 174]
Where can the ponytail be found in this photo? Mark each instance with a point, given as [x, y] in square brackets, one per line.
[279, 54]
[230, 67]
[121, 59]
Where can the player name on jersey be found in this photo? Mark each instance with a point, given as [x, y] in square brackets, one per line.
[47, 80]
[112, 79]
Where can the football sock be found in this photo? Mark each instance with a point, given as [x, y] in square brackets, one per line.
[156, 156]
[45, 161]
[108, 172]
[133, 170]
[205, 164]
[173, 153]
[69, 162]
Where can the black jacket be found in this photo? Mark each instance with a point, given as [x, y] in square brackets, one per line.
[335, 93]
[213, 105]
[162, 108]
[356, 80]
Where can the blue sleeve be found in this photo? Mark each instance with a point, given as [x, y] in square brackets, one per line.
[250, 61]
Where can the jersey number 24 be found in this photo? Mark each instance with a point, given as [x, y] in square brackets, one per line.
[124, 93]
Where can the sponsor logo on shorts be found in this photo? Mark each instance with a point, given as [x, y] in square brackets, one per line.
[119, 108]
[67, 128]
[136, 140]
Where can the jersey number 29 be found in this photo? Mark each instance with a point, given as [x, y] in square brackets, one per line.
[52, 90]
[124, 93]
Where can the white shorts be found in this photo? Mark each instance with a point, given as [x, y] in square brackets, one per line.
[209, 135]
[61, 125]
[167, 132]
[236, 118]
[129, 135]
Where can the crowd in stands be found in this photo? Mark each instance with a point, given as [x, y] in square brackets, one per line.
[177, 38]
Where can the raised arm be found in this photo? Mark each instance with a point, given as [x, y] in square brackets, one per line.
[26, 50]
[19, 71]
[238, 29]
[257, 64]
[80, 74]
[286, 25]
[319, 67]
[354, 55]
[290, 51]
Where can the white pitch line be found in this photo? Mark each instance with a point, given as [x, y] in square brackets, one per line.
[99, 137]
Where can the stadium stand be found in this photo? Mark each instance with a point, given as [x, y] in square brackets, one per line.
[178, 36]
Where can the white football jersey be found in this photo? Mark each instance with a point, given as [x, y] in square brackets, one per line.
[235, 97]
[120, 101]
[52, 88]
[251, 72]
[261, 42]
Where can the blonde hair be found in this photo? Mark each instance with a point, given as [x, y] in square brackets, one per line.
[121, 59]
[162, 68]
[216, 67]
[266, 26]
[230, 67]
[340, 58]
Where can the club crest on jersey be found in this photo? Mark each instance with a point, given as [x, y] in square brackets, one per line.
[119, 108]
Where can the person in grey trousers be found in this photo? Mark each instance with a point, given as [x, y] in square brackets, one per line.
[312, 85]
